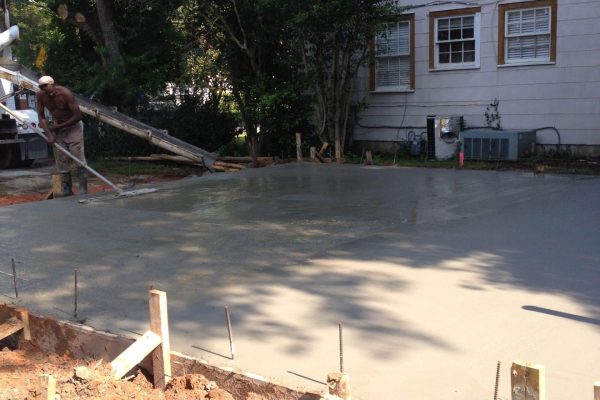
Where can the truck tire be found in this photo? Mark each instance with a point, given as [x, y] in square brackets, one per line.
[24, 163]
[6, 156]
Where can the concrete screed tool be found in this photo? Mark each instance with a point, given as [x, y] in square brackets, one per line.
[120, 192]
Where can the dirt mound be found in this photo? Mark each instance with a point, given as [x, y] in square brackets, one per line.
[20, 372]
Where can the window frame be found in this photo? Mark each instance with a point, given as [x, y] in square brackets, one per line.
[434, 16]
[503, 10]
[410, 18]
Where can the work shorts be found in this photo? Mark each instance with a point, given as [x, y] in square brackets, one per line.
[71, 139]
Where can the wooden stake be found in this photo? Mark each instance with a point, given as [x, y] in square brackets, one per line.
[339, 385]
[323, 148]
[369, 157]
[298, 146]
[527, 381]
[24, 317]
[48, 386]
[159, 324]
[597, 391]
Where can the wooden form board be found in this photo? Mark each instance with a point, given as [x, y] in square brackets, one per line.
[48, 387]
[527, 381]
[298, 146]
[9, 327]
[159, 324]
[23, 314]
[339, 385]
[134, 354]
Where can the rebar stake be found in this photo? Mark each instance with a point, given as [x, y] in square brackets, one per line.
[75, 297]
[497, 380]
[229, 330]
[341, 348]
[14, 268]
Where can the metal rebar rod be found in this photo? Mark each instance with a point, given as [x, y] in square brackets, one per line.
[341, 348]
[230, 331]
[75, 297]
[14, 269]
[497, 381]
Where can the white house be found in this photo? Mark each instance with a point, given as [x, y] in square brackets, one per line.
[539, 58]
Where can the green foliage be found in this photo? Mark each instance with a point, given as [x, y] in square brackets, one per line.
[332, 38]
[148, 41]
[237, 147]
[201, 123]
[105, 141]
[257, 59]
[260, 64]
[492, 115]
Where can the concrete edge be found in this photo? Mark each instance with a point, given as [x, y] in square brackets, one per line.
[51, 335]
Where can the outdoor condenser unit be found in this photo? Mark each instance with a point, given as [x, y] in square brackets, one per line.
[493, 144]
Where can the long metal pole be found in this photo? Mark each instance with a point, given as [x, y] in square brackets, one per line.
[497, 381]
[341, 349]
[66, 152]
[14, 268]
[230, 331]
[75, 297]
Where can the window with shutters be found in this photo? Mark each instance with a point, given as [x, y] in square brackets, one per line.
[393, 68]
[527, 32]
[454, 39]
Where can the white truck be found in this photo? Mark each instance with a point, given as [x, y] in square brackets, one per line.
[20, 146]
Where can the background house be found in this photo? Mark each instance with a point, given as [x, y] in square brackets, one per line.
[540, 59]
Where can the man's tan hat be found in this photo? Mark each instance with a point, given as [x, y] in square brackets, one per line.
[46, 80]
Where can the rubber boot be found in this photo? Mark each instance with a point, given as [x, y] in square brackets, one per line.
[82, 181]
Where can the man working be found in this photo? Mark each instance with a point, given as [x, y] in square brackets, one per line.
[67, 127]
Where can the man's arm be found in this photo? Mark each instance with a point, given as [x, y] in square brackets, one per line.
[39, 105]
[73, 107]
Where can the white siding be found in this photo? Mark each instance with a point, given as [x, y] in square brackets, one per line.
[565, 95]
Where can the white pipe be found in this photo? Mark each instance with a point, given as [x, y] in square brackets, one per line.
[9, 36]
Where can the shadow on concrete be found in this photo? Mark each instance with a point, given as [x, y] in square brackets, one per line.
[256, 239]
[307, 378]
[561, 314]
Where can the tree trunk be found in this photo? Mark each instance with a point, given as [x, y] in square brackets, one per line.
[338, 142]
[111, 42]
[254, 150]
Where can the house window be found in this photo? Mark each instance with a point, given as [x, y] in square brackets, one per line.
[454, 39]
[527, 32]
[393, 48]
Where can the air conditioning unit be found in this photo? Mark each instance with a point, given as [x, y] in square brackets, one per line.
[493, 144]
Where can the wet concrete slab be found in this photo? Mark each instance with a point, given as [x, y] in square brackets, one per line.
[435, 274]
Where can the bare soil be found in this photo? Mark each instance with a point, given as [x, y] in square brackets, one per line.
[21, 369]
[34, 184]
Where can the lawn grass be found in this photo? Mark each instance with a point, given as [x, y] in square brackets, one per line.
[556, 164]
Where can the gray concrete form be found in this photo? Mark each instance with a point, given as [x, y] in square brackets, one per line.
[436, 274]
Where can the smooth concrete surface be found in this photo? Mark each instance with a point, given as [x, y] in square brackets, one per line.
[435, 274]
